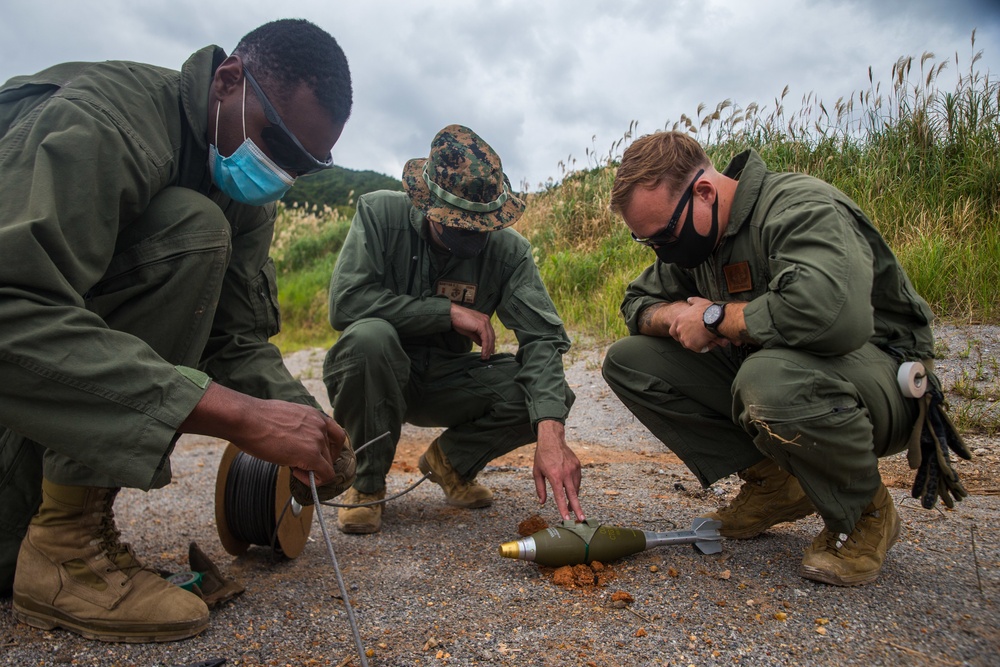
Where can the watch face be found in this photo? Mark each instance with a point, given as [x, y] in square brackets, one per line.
[713, 314]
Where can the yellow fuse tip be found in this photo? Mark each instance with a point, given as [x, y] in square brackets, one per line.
[509, 550]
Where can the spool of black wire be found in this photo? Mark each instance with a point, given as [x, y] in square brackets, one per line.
[254, 506]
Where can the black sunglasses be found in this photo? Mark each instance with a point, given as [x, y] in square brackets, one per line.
[666, 236]
[286, 150]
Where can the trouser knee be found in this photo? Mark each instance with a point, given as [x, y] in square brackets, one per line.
[761, 382]
[370, 342]
[629, 359]
[180, 210]
[370, 336]
[615, 362]
[782, 396]
[164, 281]
[773, 395]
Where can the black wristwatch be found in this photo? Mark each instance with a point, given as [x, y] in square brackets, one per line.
[713, 317]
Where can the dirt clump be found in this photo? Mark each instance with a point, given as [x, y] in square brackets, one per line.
[531, 525]
[593, 575]
[621, 599]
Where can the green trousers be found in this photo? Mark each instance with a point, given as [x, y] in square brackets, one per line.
[162, 285]
[376, 385]
[826, 420]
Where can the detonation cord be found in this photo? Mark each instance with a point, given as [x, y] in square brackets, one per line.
[251, 487]
[330, 503]
[340, 579]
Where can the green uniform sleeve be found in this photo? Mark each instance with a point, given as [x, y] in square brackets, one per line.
[819, 297]
[239, 354]
[528, 311]
[659, 283]
[63, 194]
[365, 285]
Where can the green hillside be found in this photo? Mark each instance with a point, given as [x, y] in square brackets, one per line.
[920, 153]
[337, 187]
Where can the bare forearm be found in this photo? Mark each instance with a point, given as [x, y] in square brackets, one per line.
[219, 414]
[280, 432]
[655, 319]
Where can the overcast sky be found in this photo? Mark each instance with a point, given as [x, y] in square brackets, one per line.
[541, 81]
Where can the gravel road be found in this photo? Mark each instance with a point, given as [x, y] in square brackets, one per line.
[431, 589]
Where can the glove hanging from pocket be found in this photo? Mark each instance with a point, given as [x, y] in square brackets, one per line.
[933, 437]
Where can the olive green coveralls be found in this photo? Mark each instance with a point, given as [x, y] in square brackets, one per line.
[826, 300]
[126, 281]
[399, 360]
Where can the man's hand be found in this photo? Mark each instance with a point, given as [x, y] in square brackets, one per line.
[688, 327]
[475, 325]
[556, 462]
[298, 436]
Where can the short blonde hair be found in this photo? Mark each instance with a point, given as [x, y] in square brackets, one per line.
[653, 159]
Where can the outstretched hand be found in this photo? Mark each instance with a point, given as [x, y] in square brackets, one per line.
[556, 463]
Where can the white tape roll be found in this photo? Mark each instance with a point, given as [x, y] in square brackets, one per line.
[912, 379]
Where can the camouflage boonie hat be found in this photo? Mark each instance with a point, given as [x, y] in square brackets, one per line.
[462, 183]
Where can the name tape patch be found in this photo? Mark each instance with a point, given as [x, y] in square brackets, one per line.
[456, 291]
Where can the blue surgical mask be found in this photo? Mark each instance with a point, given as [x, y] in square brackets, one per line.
[248, 175]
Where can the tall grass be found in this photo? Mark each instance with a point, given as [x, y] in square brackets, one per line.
[921, 158]
[306, 243]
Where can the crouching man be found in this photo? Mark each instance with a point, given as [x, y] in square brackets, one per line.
[765, 341]
[418, 279]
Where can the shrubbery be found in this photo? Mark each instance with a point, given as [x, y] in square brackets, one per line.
[921, 159]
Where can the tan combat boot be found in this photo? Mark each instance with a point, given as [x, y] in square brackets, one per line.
[461, 493]
[74, 573]
[850, 560]
[769, 496]
[360, 520]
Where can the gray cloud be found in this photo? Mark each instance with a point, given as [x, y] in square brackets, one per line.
[543, 82]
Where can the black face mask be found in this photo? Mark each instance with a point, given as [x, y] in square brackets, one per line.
[690, 248]
[463, 243]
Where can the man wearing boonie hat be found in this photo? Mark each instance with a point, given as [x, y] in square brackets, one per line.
[417, 281]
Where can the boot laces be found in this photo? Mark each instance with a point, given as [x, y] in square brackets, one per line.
[748, 489]
[110, 540]
[852, 545]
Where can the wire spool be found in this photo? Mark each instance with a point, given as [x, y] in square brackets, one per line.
[250, 496]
